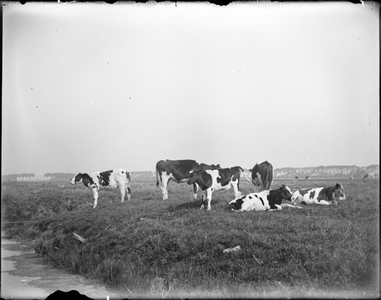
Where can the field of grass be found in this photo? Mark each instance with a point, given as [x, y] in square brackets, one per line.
[153, 248]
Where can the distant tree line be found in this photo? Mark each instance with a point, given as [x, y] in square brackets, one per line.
[13, 177]
[327, 171]
[51, 176]
[60, 175]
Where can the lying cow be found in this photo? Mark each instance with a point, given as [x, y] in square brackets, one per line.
[268, 200]
[214, 180]
[112, 179]
[178, 171]
[320, 195]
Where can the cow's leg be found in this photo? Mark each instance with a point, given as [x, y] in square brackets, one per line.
[278, 207]
[235, 185]
[202, 200]
[164, 185]
[290, 205]
[209, 198]
[122, 192]
[297, 200]
[165, 190]
[95, 194]
[195, 189]
[275, 207]
[128, 190]
[323, 202]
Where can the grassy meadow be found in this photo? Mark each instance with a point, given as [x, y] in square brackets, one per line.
[148, 247]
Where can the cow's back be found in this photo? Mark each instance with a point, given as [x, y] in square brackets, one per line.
[112, 178]
[121, 176]
[307, 196]
[184, 165]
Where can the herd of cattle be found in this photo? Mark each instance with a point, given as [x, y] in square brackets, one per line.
[211, 178]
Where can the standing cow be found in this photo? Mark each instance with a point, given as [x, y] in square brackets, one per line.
[320, 195]
[214, 180]
[262, 176]
[178, 171]
[118, 178]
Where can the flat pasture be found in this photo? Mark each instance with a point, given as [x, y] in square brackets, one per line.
[152, 248]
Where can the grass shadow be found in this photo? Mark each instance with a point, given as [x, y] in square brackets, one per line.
[195, 204]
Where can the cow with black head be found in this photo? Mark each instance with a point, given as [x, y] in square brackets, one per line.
[214, 180]
[113, 179]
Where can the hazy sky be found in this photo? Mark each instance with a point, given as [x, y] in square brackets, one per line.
[92, 87]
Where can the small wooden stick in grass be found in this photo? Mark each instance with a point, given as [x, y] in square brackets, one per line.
[256, 259]
[78, 237]
[127, 288]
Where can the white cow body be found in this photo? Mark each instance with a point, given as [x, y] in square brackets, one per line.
[320, 195]
[269, 200]
[214, 180]
[253, 202]
[113, 179]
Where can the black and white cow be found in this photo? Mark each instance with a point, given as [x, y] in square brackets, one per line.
[320, 195]
[178, 171]
[214, 180]
[118, 178]
[268, 200]
[262, 176]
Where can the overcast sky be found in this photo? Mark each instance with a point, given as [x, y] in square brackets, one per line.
[92, 87]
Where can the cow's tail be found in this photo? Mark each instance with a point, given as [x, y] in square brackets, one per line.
[128, 175]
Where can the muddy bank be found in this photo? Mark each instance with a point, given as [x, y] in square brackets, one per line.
[25, 274]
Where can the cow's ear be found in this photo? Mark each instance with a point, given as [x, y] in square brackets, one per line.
[338, 185]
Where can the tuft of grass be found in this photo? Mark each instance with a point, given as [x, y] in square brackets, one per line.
[148, 247]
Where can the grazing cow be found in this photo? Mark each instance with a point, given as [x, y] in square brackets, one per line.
[350, 177]
[268, 200]
[178, 171]
[296, 177]
[118, 178]
[214, 180]
[365, 176]
[307, 177]
[262, 176]
[320, 195]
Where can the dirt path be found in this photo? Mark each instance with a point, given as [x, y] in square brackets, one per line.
[32, 276]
